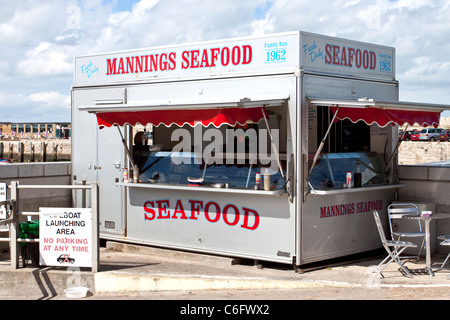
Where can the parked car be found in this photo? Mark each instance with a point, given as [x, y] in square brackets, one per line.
[407, 134]
[415, 135]
[430, 134]
[445, 135]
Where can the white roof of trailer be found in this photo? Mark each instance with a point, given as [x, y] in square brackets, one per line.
[279, 53]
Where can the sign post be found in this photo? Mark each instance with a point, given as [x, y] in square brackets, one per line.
[66, 237]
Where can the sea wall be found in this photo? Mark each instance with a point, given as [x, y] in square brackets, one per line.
[38, 150]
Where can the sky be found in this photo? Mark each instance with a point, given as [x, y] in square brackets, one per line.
[40, 38]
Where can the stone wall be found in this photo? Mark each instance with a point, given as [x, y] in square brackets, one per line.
[30, 200]
[417, 152]
[36, 150]
[410, 152]
[50, 173]
[428, 184]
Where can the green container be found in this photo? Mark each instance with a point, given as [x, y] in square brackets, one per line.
[29, 251]
[28, 230]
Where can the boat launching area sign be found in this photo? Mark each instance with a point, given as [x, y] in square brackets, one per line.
[65, 237]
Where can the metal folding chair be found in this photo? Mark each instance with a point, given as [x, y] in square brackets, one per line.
[397, 211]
[397, 248]
[446, 242]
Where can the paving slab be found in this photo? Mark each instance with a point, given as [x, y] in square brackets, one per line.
[140, 271]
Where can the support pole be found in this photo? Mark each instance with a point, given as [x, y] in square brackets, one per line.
[13, 231]
[126, 147]
[275, 149]
[322, 143]
[394, 153]
[95, 228]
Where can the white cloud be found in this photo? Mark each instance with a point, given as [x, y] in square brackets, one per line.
[47, 59]
[30, 21]
[263, 26]
[116, 18]
[414, 4]
[39, 106]
[143, 6]
[51, 98]
[351, 3]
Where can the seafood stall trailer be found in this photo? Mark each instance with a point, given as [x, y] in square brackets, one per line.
[272, 148]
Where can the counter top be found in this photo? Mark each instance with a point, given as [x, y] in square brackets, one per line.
[202, 188]
[361, 189]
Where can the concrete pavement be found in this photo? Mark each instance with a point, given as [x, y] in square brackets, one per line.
[129, 269]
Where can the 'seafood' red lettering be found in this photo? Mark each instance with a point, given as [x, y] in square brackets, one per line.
[212, 212]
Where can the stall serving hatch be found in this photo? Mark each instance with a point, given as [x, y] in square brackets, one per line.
[242, 147]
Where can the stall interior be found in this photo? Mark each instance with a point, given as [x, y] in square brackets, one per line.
[223, 157]
[347, 148]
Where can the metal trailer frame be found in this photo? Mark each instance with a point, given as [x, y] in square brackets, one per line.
[288, 66]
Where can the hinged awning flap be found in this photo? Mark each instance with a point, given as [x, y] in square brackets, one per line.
[384, 112]
[180, 117]
[208, 112]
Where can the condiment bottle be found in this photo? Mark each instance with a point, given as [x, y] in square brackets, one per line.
[125, 175]
[349, 179]
[258, 180]
[135, 174]
[267, 180]
[358, 176]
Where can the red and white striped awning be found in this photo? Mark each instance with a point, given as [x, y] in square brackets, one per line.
[384, 112]
[181, 117]
[213, 112]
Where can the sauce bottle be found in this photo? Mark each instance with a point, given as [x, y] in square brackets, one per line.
[267, 180]
[349, 179]
[258, 180]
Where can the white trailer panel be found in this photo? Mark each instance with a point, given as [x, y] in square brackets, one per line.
[308, 214]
